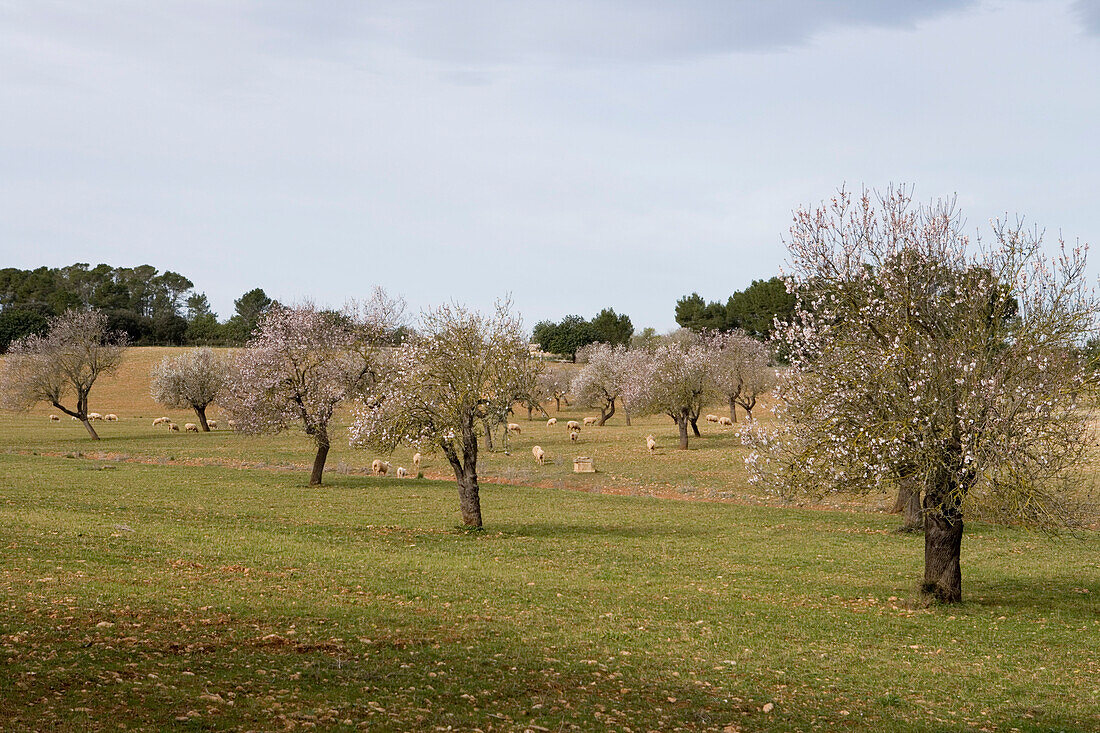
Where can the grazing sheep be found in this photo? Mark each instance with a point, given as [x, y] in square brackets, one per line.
[574, 435]
[159, 420]
[402, 472]
[213, 424]
[539, 454]
[551, 422]
[513, 428]
[94, 416]
[416, 463]
[650, 443]
[172, 427]
[55, 418]
[379, 467]
[191, 427]
[712, 418]
[573, 425]
[590, 421]
[725, 421]
[110, 417]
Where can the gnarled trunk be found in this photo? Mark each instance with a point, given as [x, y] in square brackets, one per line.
[682, 423]
[908, 504]
[318, 460]
[733, 409]
[943, 531]
[695, 426]
[606, 411]
[465, 468]
[201, 412]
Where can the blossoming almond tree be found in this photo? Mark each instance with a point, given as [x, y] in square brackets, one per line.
[917, 358]
[740, 369]
[302, 362]
[460, 370]
[193, 379]
[600, 383]
[674, 379]
[64, 363]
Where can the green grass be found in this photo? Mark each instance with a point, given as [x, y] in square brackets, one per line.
[168, 595]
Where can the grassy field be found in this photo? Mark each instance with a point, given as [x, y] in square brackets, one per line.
[150, 581]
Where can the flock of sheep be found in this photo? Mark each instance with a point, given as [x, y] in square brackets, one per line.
[167, 422]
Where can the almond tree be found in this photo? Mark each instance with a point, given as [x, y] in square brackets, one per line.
[554, 383]
[674, 379]
[461, 369]
[740, 369]
[600, 383]
[303, 362]
[921, 360]
[62, 365]
[193, 379]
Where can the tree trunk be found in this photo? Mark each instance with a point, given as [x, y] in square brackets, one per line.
[201, 412]
[488, 436]
[943, 531]
[682, 423]
[733, 409]
[557, 401]
[529, 411]
[469, 500]
[908, 503]
[606, 412]
[626, 414]
[319, 459]
[695, 426]
[90, 429]
[748, 403]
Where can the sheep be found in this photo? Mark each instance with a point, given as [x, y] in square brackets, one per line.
[213, 424]
[379, 467]
[513, 428]
[55, 418]
[539, 454]
[159, 420]
[573, 425]
[191, 427]
[650, 443]
[416, 463]
[590, 421]
[725, 421]
[94, 416]
[551, 422]
[110, 417]
[402, 472]
[574, 435]
[712, 418]
[172, 427]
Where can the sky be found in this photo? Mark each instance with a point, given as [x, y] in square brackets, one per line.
[570, 154]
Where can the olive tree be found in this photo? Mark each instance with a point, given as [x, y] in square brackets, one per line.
[461, 370]
[194, 379]
[919, 359]
[62, 365]
[302, 363]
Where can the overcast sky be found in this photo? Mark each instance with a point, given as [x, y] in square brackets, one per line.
[576, 154]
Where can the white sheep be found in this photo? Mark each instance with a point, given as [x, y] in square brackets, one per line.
[213, 424]
[539, 454]
[191, 427]
[110, 417]
[590, 421]
[159, 420]
[416, 463]
[55, 418]
[725, 421]
[551, 422]
[379, 467]
[402, 472]
[172, 427]
[573, 425]
[650, 443]
[574, 435]
[712, 418]
[94, 416]
[514, 428]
